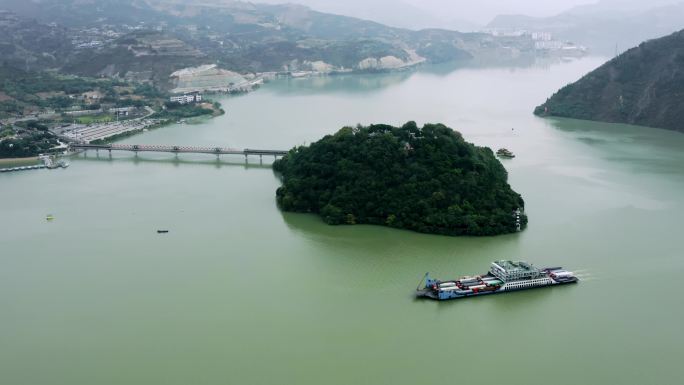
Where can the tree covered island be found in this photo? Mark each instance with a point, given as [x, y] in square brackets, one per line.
[425, 179]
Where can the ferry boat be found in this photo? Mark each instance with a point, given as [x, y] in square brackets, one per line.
[504, 153]
[503, 276]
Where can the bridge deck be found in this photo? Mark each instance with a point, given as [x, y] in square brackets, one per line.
[176, 149]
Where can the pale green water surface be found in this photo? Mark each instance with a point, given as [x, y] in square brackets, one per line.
[240, 293]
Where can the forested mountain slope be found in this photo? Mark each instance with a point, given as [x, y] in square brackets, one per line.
[643, 86]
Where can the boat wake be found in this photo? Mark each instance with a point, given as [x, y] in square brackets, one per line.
[584, 275]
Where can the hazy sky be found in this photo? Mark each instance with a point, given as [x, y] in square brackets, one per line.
[472, 11]
[482, 11]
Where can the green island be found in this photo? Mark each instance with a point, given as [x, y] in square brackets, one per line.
[425, 179]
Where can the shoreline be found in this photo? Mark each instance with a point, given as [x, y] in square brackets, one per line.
[6, 161]
[165, 122]
[216, 111]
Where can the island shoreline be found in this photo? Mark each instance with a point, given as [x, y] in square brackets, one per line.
[6, 161]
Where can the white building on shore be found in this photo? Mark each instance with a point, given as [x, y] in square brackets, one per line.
[188, 98]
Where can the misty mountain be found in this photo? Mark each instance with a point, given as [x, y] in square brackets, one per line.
[619, 7]
[395, 13]
[643, 86]
[118, 37]
[605, 25]
[85, 12]
[24, 42]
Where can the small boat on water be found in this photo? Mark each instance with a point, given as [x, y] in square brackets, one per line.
[162, 231]
[49, 217]
[504, 153]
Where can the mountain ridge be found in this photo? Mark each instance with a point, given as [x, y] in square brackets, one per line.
[643, 86]
[603, 26]
[239, 36]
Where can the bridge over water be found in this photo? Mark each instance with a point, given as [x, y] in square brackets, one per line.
[136, 148]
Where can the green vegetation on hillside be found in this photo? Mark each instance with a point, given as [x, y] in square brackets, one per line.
[643, 86]
[91, 119]
[181, 111]
[36, 143]
[52, 97]
[38, 89]
[26, 138]
[147, 41]
[17, 82]
[425, 179]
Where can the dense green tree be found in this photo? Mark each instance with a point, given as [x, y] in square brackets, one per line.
[27, 146]
[424, 179]
[179, 111]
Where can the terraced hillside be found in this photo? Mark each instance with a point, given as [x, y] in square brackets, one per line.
[150, 39]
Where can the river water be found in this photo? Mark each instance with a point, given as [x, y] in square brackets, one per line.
[240, 293]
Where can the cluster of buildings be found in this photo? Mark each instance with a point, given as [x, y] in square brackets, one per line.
[88, 133]
[543, 41]
[541, 36]
[117, 111]
[187, 98]
[94, 37]
[99, 36]
[506, 32]
[564, 48]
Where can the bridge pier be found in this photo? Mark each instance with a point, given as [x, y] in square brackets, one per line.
[218, 151]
